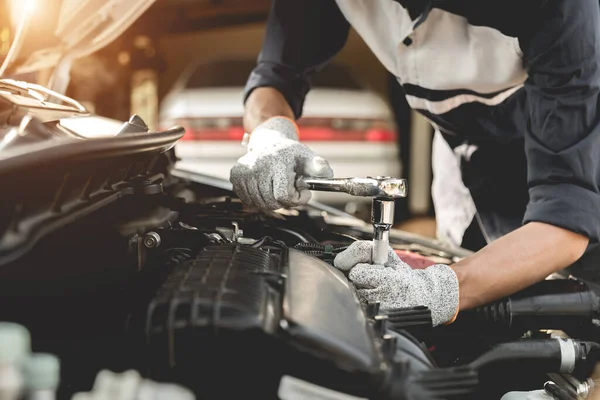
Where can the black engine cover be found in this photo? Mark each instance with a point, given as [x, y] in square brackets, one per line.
[246, 317]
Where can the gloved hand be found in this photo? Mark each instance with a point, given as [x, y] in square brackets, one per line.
[396, 285]
[265, 177]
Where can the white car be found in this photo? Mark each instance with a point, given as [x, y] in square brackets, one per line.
[343, 121]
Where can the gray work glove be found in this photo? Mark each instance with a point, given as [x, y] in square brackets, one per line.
[265, 178]
[397, 285]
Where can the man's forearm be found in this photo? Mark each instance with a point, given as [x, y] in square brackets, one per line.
[516, 261]
[262, 104]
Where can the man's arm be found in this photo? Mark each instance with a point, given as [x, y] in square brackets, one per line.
[262, 104]
[562, 50]
[301, 38]
[516, 261]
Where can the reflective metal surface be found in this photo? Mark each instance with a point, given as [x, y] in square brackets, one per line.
[382, 217]
[362, 187]
[383, 190]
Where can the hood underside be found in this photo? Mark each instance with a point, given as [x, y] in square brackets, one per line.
[69, 29]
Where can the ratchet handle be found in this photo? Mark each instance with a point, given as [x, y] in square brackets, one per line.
[382, 187]
[321, 184]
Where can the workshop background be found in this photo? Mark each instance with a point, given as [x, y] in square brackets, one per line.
[136, 73]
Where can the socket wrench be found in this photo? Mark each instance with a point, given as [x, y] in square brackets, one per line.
[382, 189]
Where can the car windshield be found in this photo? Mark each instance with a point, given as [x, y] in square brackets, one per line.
[234, 73]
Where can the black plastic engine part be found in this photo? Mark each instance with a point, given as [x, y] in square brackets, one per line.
[416, 320]
[526, 360]
[415, 375]
[441, 384]
[323, 315]
[564, 304]
[251, 317]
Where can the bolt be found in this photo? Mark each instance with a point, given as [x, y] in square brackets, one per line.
[388, 346]
[237, 232]
[372, 309]
[151, 240]
[380, 324]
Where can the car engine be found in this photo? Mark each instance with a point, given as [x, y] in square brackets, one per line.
[115, 260]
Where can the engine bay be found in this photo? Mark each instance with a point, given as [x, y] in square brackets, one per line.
[114, 262]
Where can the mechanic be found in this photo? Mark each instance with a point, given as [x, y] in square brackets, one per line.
[511, 88]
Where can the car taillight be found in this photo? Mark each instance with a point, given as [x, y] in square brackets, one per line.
[211, 129]
[232, 133]
[346, 130]
[311, 129]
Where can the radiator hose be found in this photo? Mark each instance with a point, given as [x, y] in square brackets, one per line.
[552, 304]
[542, 356]
[496, 371]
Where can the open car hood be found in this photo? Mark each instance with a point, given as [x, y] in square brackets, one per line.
[69, 29]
